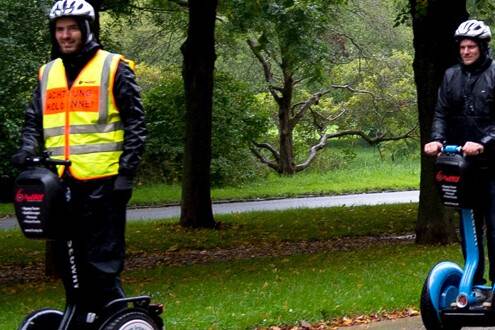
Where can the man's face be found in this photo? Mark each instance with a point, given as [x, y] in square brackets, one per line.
[469, 51]
[68, 35]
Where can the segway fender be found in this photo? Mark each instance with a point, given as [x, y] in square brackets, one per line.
[438, 276]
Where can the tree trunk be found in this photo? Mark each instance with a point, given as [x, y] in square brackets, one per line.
[285, 127]
[199, 61]
[434, 24]
[287, 166]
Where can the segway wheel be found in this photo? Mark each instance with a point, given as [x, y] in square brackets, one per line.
[43, 319]
[131, 320]
[429, 315]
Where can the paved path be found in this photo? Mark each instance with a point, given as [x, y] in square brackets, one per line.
[408, 323]
[266, 205]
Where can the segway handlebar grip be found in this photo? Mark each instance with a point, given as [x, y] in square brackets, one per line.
[47, 161]
[452, 149]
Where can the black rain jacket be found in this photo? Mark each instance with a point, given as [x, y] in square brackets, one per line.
[465, 109]
[128, 101]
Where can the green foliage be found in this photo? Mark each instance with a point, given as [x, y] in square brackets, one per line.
[383, 99]
[236, 121]
[482, 10]
[24, 45]
[288, 31]
[148, 32]
[369, 27]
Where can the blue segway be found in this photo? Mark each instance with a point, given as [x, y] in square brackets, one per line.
[40, 202]
[450, 299]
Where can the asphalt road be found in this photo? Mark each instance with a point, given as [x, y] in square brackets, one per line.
[266, 205]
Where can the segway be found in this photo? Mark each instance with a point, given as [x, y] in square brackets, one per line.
[450, 299]
[41, 205]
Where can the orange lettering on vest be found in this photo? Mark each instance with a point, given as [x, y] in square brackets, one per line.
[55, 100]
[84, 99]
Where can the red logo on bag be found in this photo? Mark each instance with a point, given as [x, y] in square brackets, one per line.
[440, 177]
[21, 196]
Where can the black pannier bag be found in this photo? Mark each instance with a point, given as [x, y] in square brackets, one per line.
[456, 180]
[39, 203]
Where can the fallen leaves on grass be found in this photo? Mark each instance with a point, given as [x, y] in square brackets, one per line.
[15, 273]
[346, 321]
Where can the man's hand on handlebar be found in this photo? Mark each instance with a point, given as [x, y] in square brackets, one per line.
[468, 149]
[472, 149]
[433, 148]
[20, 158]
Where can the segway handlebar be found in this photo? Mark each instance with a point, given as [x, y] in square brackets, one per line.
[45, 160]
[452, 149]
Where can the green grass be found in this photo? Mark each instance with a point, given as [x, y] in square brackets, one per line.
[6, 209]
[243, 294]
[243, 228]
[265, 291]
[361, 176]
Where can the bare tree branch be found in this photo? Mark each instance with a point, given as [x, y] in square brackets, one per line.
[157, 9]
[326, 120]
[350, 88]
[273, 164]
[303, 107]
[182, 3]
[270, 148]
[360, 91]
[312, 153]
[267, 70]
[371, 140]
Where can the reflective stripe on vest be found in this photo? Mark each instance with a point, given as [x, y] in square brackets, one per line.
[83, 123]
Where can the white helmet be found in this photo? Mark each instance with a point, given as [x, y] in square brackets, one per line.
[78, 8]
[473, 29]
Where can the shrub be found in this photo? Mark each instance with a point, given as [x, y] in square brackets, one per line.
[236, 121]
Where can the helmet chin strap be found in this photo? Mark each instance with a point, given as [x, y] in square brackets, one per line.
[90, 36]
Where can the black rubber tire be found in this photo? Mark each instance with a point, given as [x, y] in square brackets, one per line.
[42, 319]
[428, 312]
[131, 319]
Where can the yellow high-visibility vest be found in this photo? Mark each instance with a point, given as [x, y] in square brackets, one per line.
[82, 124]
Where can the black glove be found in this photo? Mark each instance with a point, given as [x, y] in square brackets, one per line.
[122, 182]
[19, 158]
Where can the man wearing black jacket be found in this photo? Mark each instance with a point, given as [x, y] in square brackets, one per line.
[465, 116]
[87, 109]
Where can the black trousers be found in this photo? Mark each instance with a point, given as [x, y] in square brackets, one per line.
[484, 216]
[91, 258]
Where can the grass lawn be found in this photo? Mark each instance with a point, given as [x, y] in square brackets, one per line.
[244, 294]
[242, 229]
[256, 291]
[270, 289]
[365, 173]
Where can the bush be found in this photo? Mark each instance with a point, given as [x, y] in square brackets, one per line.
[24, 45]
[236, 121]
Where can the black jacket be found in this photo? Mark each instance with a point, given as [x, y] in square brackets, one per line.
[465, 109]
[128, 101]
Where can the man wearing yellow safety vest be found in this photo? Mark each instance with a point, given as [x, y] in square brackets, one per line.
[87, 109]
